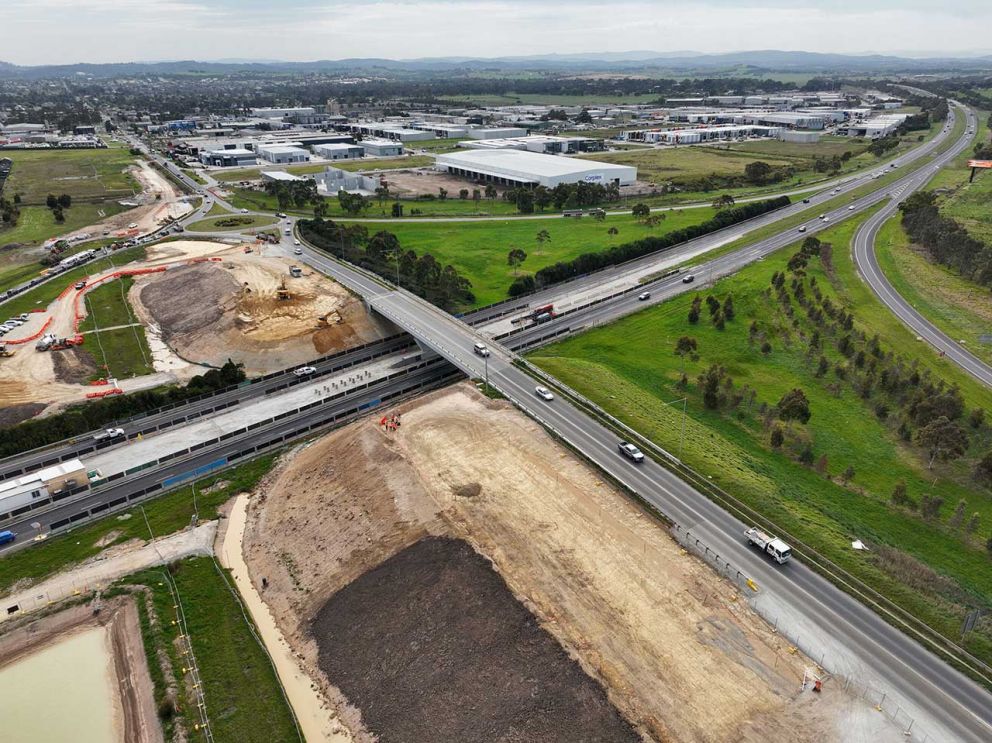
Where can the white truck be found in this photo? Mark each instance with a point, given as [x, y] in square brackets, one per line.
[780, 552]
[109, 433]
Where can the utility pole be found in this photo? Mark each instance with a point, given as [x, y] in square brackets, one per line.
[486, 359]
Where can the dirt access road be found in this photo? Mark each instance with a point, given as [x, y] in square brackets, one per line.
[676, 650]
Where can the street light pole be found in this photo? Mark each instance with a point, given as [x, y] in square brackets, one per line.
[486, 359]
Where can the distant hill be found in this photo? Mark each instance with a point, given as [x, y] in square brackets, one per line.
[760, 61]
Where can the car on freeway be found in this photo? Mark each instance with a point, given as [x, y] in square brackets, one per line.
[836, 190]
[480, 349]
[644, 296]
[244, 211]
[7, 536]
[688, 279]
[296, 242]
[630, 451]
[850, 208]
[822, 216]
[305, 371]
[826, 219]
[803, 228]
[109, 434]
[298, 251]
[544, 393]
[805, 201]
[280, 215]
[80, 285]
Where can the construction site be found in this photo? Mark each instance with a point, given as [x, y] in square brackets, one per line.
[446, 570]
[260, 310]
[193, 304]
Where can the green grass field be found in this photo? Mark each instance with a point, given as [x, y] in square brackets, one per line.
[660, 165]
[83, 174]
[37, 223]
[166, 514]
[960, 308]
[479, 249]
[241, 691]
[43, 295]
[630, 369]
[123, 350]
[231, 222]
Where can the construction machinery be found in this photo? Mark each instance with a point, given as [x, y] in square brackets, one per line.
[282, 293]
[5, 352]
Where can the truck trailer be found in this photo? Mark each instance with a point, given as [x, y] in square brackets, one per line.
[779, 551]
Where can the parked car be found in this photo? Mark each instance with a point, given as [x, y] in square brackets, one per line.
[305, 371]
[544, 393]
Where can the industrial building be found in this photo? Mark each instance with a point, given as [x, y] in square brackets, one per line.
[381, 148]
[338, 151]
[696, 135]
[280, 176]
[282, 154]
[232, 158]
[522, 168]
[441, 131]
[333, 180]
[384, 130]
[503, 132]
[876, 127]
[282, 113]
[538, 143]
[20, 495]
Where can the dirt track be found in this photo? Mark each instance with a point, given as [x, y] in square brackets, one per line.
[678, 653]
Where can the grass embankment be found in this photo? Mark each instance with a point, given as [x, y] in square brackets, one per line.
[241, 691]
[932, 567]
[167, 514]
[479, 249]
[231, 223]
[44, 294]
[959, 307]
[109, 339]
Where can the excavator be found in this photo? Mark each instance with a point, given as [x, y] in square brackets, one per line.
[6, 352]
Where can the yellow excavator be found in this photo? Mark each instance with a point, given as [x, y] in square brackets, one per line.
[282, 292]
[6, 352]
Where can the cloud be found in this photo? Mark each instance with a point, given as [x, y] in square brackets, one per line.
[62, 31]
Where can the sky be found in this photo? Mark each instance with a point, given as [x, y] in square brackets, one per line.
[66, 31]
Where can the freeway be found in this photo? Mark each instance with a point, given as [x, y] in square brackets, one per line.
[860, 643]
[868, 267]
[205, 405]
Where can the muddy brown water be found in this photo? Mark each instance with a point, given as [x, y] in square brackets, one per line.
[73, 677]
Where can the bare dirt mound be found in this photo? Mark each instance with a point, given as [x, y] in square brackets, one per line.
[11, 415]
[249, 309]
[678, 652]
[74, 365]
[435, 623]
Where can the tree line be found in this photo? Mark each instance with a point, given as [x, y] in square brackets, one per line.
[588, 262]
[383, 254]
[563, 196]
[946, 241]
[96, 414]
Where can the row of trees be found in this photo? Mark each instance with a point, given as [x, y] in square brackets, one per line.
[79, 419]
[588, 262]
[10, 210]
[383, 254]
[563, 196]
[58, 204]
[947, 242]
[294, 193]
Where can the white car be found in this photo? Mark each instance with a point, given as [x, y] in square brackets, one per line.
[850, 208]
[305, 371]
[296, 242]
[480, 349]
[298, 251]
[544, 393]
[244, 211]
[803, 228]
[826, 219]
[644, 296]
[630, 451]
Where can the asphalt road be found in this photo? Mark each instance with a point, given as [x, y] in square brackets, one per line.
[868, 267]
[890, 659]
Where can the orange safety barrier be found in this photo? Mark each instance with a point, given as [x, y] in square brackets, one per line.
[30, 338]
[37, 309]
[105, 393]
[98, 382]
[217, 260]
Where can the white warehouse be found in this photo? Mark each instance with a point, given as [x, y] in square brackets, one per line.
[338, 151]
[282, 154]
[522, 168]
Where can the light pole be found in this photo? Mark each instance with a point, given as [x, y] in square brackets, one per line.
[486, 360]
